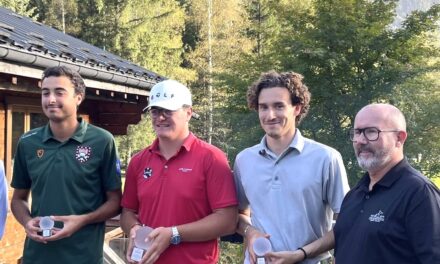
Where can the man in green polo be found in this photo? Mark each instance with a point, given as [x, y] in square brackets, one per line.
[71, 169]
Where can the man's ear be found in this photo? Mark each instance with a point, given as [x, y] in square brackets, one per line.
[80, 99]
[189, 112]
[297, 109]
[401, 138]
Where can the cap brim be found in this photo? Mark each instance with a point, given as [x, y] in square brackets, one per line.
[164, 105]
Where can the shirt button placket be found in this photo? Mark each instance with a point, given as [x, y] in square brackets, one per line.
[165, 170]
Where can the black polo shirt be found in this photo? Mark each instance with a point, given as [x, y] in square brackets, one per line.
[397, 222]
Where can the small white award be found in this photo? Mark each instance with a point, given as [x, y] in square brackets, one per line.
[46, 224]
[261, 247]
[140, 245]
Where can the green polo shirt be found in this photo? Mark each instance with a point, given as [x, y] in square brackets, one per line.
[67, 178]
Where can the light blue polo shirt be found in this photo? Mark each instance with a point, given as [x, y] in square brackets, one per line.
[292, 197]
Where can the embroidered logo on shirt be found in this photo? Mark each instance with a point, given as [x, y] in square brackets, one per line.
[185, 169]
[379, 217]
[40, 153]
[148, 172]
[83, 153]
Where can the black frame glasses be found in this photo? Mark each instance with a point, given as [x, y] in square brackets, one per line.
[370, 133]
[156, 112]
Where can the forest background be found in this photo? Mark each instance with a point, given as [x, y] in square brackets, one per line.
[351, 53]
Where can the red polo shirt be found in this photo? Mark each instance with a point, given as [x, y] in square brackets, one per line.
[183, 189]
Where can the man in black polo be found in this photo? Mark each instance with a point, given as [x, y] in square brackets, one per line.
[393, 214]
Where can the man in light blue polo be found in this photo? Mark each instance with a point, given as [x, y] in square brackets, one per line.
[289, 187]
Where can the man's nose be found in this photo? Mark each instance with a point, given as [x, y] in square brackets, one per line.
[161, 115]
[271, 113]
[52, 98]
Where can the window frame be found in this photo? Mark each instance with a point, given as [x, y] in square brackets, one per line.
[27, 110]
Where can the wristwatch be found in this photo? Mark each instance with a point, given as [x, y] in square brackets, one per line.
[175, 237]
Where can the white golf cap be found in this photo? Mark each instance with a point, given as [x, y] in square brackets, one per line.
[169, 94]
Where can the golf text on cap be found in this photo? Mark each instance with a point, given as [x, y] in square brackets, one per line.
[170, 95]
[164, 95]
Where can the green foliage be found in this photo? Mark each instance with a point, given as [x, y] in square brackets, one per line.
[346, 50]
[151, 35]
[231, 253]
[350, 57]
[419, 99]
[436, 181]
[227, 44]
[138, 137]
[50, 12]
[21, 7]
[98, 22]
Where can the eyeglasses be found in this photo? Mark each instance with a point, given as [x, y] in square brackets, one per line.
[370, 133]
[156, 112]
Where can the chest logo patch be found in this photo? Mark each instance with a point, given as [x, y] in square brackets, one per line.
[379, 217]
[83, 153]
[148, 172]
[40, 153]
[185, 169]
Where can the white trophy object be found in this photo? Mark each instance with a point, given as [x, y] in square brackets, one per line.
[261, 247]
[140, 245]
[46, 224]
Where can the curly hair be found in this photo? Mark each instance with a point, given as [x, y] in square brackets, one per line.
[74, 77]
[292, 81]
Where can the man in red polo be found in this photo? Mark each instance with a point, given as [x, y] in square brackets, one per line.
[180, 185]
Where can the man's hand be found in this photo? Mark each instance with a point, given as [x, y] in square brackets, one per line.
[131, 243]
[285, 257]
[160, 240]
[250, 237]
[32, 228]
[72, 223]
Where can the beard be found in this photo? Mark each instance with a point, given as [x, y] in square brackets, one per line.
[379, 158]
[273, 134]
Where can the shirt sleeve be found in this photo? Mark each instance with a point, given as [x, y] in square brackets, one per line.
[20, 176]
[220, 182]
[243, 202]
[422, 224]
[336, 183]
[111, 166]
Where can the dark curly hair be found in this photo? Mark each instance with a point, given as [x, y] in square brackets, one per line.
[292, 81]
[74, 77]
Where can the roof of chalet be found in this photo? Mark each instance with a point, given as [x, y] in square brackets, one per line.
[28, 42]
